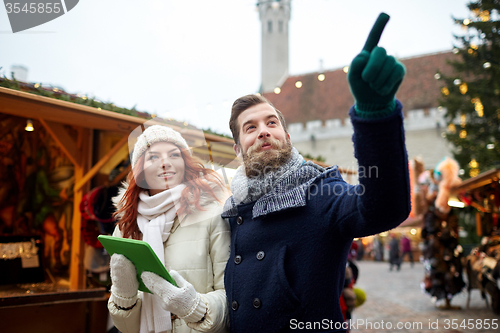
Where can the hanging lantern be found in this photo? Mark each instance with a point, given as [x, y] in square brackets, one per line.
[29, 126]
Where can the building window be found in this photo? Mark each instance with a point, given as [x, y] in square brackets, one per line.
[269, 26]
[280, 26]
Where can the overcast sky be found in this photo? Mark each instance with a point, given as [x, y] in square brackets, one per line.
[190, 59]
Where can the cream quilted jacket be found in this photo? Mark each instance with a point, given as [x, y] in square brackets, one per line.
[197, 248]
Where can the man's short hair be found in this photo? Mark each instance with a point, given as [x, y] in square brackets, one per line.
[242, 104]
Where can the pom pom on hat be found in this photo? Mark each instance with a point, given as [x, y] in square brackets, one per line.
[154, 134]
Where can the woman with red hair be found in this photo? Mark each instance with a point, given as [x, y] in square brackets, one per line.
[172, 202]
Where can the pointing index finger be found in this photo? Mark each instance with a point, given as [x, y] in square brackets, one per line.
[376, 32]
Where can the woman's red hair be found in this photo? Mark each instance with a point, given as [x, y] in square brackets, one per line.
[196, 179]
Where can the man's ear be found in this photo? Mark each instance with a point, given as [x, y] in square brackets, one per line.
[288, 135]
[237, 149]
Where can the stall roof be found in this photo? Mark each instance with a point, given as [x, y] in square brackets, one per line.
[22, 104]
[480, 180]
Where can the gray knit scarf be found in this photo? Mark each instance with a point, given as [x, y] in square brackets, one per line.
[273, 191]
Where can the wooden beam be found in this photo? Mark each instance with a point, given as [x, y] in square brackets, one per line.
[116, 159]
[77, 269]
[102, 161]
[62, 138]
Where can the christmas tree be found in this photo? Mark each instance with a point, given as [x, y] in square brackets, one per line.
[471, 94]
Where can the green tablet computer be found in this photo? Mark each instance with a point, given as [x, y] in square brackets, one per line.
[140, 253]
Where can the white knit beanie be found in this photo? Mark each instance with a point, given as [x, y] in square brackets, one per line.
[154, 134]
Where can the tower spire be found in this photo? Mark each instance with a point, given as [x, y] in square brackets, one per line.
[274, 17]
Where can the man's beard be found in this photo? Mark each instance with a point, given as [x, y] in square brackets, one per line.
[259, 162]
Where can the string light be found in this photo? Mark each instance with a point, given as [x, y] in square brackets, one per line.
[445, 91]
[37, 85]
[457, 82]
[437, 76]
[463, 134]
[486, 65]
[473, 163]
[463, 119]
[467, 22]
[277, 90]
[321, 77]
[474, 172]
[490, 146]
[455, 50]
[478, 106]
[484, 16]
[346, 69]
[452, 128]
[463, 88]
[298, 84]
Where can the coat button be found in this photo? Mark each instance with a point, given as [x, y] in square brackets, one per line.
[237, 260]
[239, 220]
[256, 303]
[234, 305]
[261, 255]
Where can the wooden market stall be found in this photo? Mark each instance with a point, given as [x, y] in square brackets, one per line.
[483, 263]
[87, 144]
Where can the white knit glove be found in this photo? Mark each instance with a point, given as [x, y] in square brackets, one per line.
[183, 301]
[124, 280]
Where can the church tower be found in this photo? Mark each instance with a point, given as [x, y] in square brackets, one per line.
[274, 17]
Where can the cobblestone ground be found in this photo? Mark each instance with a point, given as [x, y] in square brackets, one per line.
[396, 298]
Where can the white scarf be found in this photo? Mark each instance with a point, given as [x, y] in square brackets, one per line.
[155, 217]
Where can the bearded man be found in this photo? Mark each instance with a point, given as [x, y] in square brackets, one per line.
[293, 222]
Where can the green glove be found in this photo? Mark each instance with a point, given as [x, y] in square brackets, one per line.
[374, 77]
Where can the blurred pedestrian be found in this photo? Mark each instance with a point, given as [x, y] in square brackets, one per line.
[361, 250]
[406, 249]
[394, 257]
[378, 248]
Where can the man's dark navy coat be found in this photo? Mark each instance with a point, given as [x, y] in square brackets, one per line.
[286, 268]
